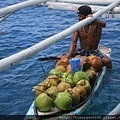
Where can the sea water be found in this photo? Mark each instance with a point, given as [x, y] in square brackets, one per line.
[29, 26]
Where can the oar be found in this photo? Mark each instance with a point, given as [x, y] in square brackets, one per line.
[49, 58]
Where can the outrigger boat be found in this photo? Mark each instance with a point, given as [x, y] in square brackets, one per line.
[34, 114]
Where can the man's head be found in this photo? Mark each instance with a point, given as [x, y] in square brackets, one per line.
[84, 11]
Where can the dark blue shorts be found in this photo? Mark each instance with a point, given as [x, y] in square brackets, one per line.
[82, 52]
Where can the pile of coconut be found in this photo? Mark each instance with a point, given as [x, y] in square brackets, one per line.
[64, 90]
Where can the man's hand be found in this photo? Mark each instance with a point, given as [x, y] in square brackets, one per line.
[89, 15]
[62, 56]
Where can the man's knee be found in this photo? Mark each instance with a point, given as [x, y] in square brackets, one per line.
[107, 62]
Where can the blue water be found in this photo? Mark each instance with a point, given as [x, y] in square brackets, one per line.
[32, 25]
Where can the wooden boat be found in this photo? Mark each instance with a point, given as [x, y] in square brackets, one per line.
[33, 113]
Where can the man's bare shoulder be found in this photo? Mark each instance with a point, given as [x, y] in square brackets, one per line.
[99, 23]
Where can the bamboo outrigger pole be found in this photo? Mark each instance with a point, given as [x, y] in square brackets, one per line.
[89, 2]
[115, 111]
[25, 54]
[6, 11]
[114, 114]
[73, 7]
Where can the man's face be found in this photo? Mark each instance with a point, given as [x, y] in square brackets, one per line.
[81, 17]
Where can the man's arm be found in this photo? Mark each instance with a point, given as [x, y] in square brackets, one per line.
[73, 44]
[97, 22]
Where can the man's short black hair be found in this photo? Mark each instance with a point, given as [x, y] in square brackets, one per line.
[84, 10]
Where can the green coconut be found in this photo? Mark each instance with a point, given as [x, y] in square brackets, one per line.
[84, 83]
[68, 78]
[80, 75]
[56, 72]
[52, 91]
[63, 101]
[43, 103]
[92, 76]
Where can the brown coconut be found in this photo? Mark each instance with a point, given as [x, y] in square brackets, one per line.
[81, 91]
[64, 61]
[68, 69]
[85, 62]
[61, 68]
[96, 62]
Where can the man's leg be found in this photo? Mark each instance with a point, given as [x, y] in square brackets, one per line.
[107, 62]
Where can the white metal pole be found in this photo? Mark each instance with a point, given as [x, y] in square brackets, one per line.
[100, 2]
[18, 6]
[25, 54]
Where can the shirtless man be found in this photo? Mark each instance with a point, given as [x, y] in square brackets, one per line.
[89, 36]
